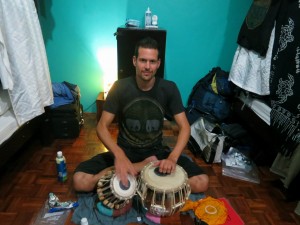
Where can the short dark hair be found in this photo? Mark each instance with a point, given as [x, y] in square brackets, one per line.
[147, 42]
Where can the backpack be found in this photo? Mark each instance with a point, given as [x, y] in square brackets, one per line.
[210, 97]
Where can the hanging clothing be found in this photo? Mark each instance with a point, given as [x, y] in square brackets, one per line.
[285, 77]
[31, 88]
[287, 167]
[251, 65]
[258, 25]
[251, 71]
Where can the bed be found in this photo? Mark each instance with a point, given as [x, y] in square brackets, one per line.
[275, 72]
[8, 124]
[254, 114]
[25, 82]
[12, 135]
[259, 106]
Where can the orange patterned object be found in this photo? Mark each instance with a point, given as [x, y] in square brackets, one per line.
[210, 210]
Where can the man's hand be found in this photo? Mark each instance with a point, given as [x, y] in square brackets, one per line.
[123, 167]
[167, 165]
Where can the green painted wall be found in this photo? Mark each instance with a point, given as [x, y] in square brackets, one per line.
[200, 35]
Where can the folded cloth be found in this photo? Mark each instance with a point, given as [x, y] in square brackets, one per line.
[62, 94]
[86, 208]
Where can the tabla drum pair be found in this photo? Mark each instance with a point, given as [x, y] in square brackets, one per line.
[160, 194]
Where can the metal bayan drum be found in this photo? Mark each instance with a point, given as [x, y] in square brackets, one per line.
[114, 199]
[163, 194]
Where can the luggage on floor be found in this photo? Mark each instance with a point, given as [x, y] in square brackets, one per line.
[210, 139]
[207, 140]
[211, 97]
[66, 118]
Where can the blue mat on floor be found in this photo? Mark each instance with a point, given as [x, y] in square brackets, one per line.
[87, 209]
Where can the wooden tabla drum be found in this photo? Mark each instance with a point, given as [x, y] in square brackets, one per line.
[163, 194]
[114, 199]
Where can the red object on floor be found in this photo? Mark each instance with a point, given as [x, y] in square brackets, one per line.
[233, 218]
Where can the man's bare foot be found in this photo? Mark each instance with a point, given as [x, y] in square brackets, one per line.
[140, 165]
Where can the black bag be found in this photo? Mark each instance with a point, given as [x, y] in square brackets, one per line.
[210, 97]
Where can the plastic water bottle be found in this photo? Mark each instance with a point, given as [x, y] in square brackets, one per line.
[148, 17]
[84, 221]
[61, 167]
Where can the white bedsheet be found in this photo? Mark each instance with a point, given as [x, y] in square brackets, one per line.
[8, 124]
[258, 106]
[22, 35]
[5, 71]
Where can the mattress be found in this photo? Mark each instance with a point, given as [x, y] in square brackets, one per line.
[8, 124]
[258, 106]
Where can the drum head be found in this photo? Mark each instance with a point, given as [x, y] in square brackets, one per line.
[120, 190]
[163, 182]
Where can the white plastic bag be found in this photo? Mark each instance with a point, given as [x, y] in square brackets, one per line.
[211, 144]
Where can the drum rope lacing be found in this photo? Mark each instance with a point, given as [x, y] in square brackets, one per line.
[163, 195]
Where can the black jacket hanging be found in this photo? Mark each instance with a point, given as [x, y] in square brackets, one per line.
[257, 27]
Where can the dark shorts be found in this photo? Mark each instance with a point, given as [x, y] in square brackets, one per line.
[104, 160]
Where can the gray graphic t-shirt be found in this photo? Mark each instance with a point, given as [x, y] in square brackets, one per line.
[141, 113]
[143, 122]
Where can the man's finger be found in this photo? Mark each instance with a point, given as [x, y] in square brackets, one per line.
[124, 181]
